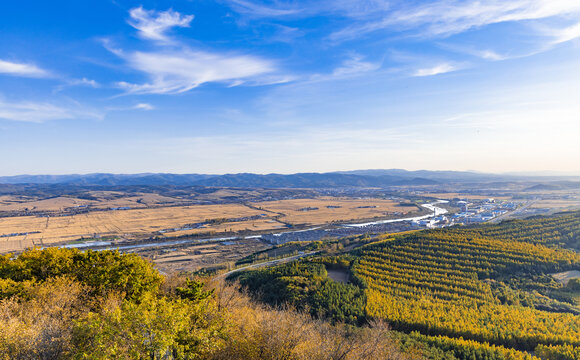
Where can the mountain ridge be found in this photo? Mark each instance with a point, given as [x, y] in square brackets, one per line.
[354, 178]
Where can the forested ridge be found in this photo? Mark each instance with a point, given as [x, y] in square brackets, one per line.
[473, 292]
[559, 230]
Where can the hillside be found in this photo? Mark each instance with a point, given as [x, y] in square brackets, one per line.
[68, 304]
[482, 290]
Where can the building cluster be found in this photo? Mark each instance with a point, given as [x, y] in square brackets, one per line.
[480, 211]
[471, 212]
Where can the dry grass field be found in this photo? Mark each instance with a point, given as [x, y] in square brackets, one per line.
[325, 210]
[11, 203]
[250, 225]
[137, 222]
[19, 232]
[193, 257]
[558, 204]
[449, 196]
[137, 201]
[103, 200]
[225, 193]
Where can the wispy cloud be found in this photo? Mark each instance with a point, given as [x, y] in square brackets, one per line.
[436, 70]
[138, 106]
[450, 17]
[77, 82]
[257, 10]
[22, 69]
[355, 65]
[178, 72]
[179, 68]
[38, 112]
[153, 25]
[84, 82]
[481, 52]
[565, 34]
[489, 55]
[301, 9]
[144, 106]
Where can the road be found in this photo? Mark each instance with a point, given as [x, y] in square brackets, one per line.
[270, 263]
[508, 214]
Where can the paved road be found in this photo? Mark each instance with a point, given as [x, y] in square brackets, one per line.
[270, 263]
[508, 214]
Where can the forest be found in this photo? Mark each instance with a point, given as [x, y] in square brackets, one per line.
[477, 292]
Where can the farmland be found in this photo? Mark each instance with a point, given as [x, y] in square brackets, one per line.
[118, 218]
[129, 223]
[468, 196]
[325, 210]
[206, 255]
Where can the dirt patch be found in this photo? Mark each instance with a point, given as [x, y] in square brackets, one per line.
[341, 276]
[566, 276]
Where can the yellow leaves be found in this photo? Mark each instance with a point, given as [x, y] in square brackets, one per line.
[40, 326]
[429, 281]
[258, 332]
[525, 326]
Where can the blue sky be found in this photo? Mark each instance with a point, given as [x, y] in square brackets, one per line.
[289, 86]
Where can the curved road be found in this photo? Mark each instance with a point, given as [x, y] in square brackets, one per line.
[270, 263]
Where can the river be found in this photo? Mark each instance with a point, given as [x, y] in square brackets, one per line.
[108, 245]
[436, 212]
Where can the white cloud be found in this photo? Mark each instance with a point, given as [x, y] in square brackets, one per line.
[22, 69]
[38, 112]
[255, 10]
[144, 106]
[486, 54]
[85, 82]
[436, 70]
[78, 82]
[490, 55]
[355, 65]
[301, 9]
[153, 25]
[565, 34]
[178, 72]
[444, 18]
[181, 69]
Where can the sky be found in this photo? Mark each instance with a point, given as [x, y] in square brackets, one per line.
[228, 86]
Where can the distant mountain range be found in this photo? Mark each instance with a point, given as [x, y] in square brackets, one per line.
[357, 178]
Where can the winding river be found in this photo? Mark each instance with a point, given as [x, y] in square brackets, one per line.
[435, 209]
[108, 245]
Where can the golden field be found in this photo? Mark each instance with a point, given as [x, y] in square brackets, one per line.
[145, 222]
[340, 209]
[558, 204]
[134, 222]
[250, 225]
[103, 200]
[12, 203]
[449, 196]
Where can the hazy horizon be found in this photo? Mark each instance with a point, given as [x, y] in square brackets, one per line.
[525, 173]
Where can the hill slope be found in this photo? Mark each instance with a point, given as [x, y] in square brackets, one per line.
[483, 290]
